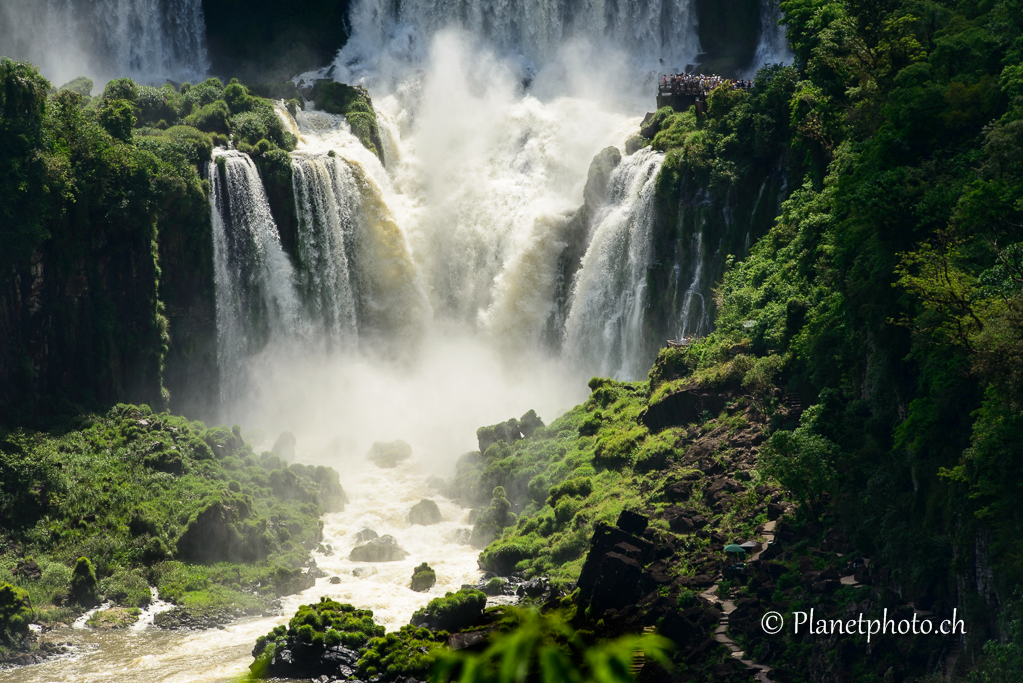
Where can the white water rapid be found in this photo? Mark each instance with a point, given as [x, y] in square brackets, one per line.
[148, 40]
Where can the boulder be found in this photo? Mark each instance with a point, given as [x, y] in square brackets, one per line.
[28, 569]
[460, 536]
[682, 407]
[632, 522]
[423, 578]
[366, 535]
[284, 446]
[425, 513]
[388, 455]
[383, 549]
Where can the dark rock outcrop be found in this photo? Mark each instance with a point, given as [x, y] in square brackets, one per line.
[284, 447]
[366, 535]
[683, 407]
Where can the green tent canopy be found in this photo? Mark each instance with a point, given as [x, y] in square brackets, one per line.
[735, 549]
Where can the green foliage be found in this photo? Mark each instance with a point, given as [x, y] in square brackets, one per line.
[84, 583]
[546, 649]
[408, 652]
[81, 85]
[15, 614]
[453, 612]
[803, 462]
[493, 520]
[210, 118]
[354, 104]
[118, 118]
[104, 492]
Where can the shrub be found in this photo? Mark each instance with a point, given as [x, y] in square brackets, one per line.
[81, 85]
[15, 613]
[118, 118]
[453, 612]
[203, 94]
[211, 118]
[121, 89]
[493, 520]
[577, 486]
[83, 582]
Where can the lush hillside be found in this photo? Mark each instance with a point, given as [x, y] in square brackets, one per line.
[136, 499]
[882, 306]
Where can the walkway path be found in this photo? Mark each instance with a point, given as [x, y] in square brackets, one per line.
[727, 607]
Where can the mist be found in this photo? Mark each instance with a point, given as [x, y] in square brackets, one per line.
[482, 174]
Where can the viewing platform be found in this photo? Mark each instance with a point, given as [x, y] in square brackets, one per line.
[682, 91]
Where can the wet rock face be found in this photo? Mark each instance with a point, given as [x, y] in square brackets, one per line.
[383, 549]
[388, 455]
[425, 513]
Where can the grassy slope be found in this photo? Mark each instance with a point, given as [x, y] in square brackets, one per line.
[125, 489]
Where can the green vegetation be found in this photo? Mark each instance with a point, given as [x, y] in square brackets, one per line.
[886, 297]
[138, 498]
[541, 647]
[105, 195]
[452, 612]
[15, 614]
[354, 104]
[327, 624]
[423, 578]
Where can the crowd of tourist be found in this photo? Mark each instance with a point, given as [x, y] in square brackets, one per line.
[699, 84]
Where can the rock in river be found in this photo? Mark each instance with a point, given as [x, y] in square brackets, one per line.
[383, 549]
[425, 513]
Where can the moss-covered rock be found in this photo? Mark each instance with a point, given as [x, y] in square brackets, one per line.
[423, 578]
[338, 641]
[354, 103]
[453, 612]
[84, 583]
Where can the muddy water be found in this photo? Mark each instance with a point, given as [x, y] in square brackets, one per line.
[380, 500]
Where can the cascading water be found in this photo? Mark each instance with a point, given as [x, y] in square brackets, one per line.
[773, 46]
[327, 199]
[534, 30]
[604, 331]
[148, 40]
[255, 282]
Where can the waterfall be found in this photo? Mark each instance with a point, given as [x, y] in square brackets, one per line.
[256, 298]
[694, 323]
[656, 33]
[605, 326]
[327, 200]
[773, 46]
[148, 40]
